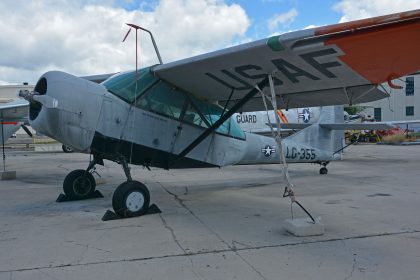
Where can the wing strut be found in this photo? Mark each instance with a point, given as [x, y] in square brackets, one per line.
[220, 121]
[288, 190]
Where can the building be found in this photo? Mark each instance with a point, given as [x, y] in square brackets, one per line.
[402, 105]
[9, 92]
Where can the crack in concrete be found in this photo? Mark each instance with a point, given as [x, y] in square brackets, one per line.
[232, 248]
[86, 248]
[251, 266]
[61, 166]
[171, 230]
[353, 268]
[211, 252]
[80, 258]
[181, 202]
[196, 273]
[239, 243]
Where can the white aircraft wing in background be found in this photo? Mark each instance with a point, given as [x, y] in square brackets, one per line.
[15, 111]
[12, 117]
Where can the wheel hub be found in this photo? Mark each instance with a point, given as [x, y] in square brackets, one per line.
[134, 201]
[81, 186]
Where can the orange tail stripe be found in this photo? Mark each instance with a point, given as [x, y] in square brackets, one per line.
[282, 116]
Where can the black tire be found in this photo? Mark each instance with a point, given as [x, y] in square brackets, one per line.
[67, 149]
[79, 184]
[323, 171]
[137, 192]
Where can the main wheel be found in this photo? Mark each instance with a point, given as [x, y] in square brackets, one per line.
[323, 171]
[79, 184]
[131, 199]
[66, 149]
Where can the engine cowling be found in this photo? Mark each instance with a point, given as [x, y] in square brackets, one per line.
[66, 108]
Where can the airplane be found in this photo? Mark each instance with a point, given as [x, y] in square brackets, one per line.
[179, 114]
[13, 116]
[292, 119]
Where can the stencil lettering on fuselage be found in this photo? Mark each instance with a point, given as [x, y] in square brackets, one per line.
[246, 118]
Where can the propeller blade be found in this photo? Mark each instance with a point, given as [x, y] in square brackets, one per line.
[46, 100]
[27, 130]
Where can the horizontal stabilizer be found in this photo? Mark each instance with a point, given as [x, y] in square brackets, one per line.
[290, 125]
[356, 126]
[337, 126]
[402, 122]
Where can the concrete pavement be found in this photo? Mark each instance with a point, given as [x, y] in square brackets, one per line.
[217, 223]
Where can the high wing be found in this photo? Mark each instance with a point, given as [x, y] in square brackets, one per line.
[15, 111]
[337, 64]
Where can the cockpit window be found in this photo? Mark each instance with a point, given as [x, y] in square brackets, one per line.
[212, 113]
[126, 86]
[152, 94]
[163, 99]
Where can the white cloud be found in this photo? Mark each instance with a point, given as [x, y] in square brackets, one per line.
[359, 9]
[84, 37]
[283, 19]
[311, 26]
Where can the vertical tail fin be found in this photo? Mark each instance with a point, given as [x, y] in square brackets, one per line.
[322, 138]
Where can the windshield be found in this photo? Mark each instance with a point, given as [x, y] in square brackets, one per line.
[125, 85]
[150, 93]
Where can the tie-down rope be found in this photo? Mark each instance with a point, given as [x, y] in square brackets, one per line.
[288, 190]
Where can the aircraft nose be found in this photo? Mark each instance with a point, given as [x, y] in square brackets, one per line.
[40, 104]
[65, 108]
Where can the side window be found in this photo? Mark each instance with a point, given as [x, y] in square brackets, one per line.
[163, 100]
[193, 117]
[212, 113]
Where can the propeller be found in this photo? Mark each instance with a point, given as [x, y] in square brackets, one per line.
[47, 101]
[27, 130]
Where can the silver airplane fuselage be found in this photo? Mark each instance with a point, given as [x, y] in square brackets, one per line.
[150, 127]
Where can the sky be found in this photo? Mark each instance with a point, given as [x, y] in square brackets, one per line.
[83, 37]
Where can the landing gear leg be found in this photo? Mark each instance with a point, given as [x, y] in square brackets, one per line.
[131, 198]
[323, 170]
[80, 184]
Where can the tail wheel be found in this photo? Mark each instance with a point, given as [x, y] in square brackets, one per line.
[66, 149]
[323, 171]
[79, 184]
[131, 199]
